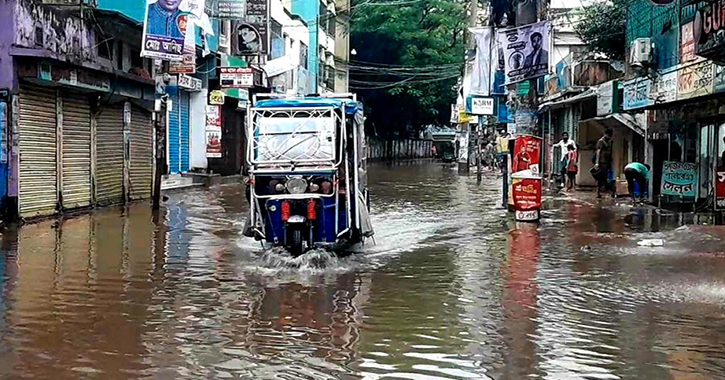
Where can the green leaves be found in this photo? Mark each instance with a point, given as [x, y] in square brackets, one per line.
[602, 28]
[410, 53]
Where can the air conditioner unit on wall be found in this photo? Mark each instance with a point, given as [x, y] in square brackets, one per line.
[641, 52]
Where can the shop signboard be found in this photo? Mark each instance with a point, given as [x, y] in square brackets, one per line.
[216, 97]
[679, 179]
[687, 45]
[189, 83]
[720, 189]
[606, 93]
[213, 131]
[187, 65]
[666, 87]
[463, 117]
[236, 77]
[527, 154]
[481, 106]
[637, 93]
[708, 30]
[231, 9]
[696, 79]
[454, 114]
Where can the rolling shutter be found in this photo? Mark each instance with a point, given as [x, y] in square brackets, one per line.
[37, 133]
[184, 132]
[174, 127]
[141, 167]
[76, 187]
[109, 155]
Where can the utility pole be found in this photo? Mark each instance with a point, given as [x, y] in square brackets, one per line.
[160, 129]
[464, 164]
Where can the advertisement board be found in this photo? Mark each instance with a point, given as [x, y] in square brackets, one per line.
[213, 131]
[481, 106]
[720, 189]
[524, 51]
[708, 30]
[251, 33]
[236, 77]
[165, 27]
[187, 65]
[526, 194]
[527, 154]
[679, 179]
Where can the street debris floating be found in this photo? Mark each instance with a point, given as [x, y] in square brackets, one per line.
[651, 243]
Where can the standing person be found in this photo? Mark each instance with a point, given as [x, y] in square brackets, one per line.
[634, 171]
[559, 152]
[604, 162]
[572, 166]
[490, 154]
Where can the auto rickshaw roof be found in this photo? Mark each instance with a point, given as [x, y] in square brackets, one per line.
[350, 106]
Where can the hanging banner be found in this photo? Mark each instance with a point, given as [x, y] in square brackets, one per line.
[213, 132]
[527, 154]
[165, 25]
[524, 51]
[679, 179]
[251, 34]
[481, 73]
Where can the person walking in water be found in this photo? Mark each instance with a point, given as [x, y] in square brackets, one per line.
[572, 166]
[604, 163]
[636, 172]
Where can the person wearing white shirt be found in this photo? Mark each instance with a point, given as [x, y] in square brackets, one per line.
[559, 152]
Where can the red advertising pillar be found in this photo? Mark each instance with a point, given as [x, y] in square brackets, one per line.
[526, 178]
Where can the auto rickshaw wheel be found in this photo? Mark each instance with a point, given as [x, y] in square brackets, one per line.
[295, 243]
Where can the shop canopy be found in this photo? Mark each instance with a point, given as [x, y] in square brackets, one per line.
[614, 121]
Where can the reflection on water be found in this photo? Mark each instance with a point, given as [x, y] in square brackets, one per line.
[452, 289]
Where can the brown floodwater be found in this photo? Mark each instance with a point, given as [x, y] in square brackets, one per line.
[451, 289]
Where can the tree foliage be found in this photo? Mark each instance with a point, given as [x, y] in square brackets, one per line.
[410, 54]
[602, 28]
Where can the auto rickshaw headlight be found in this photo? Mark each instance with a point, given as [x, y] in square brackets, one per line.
[279, 188]
[297, 186]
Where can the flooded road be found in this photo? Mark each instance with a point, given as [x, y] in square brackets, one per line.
[452, 289]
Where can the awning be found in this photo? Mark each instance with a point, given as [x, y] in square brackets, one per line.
[616, 120]
[588, 94]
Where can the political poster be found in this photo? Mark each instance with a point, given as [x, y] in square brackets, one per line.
[481, 73]
[213, 132]
[524, 51]
[679, 179]
[527, 154]
[166, 23]
[251, 33]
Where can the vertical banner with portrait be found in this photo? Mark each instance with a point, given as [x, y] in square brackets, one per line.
[251, 33]
[525, 51]
[165, 27]
[213, 131]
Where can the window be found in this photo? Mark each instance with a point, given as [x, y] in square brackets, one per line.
[104, 48]
[278, 48]
[136, 60]
[304, 52]
[119, 55]
[331, 21]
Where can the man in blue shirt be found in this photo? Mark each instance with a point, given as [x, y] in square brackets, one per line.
[163, 19]
[635, 171]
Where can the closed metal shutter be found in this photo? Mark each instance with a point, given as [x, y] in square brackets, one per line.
[76, 187]
[173, 139]
[184, 132]
[109, 155]
[141, 166]
[37, 133]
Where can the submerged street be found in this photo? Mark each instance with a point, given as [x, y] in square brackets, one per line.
[451, 289]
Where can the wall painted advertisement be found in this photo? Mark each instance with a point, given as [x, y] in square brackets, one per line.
[213, 131]
[679, 179]
[165, 25]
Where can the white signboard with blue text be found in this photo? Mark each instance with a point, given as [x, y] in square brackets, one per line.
[637, 94]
